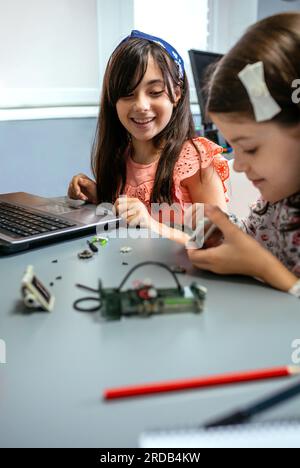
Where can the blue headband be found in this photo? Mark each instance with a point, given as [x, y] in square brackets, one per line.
[168, 48]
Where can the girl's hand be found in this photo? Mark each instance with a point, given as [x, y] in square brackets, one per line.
[240, 254]
[133, 211]
[83, 188]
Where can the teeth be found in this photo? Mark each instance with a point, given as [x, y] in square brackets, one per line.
[141, 121]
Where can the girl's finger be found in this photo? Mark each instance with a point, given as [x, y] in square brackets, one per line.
[121, 210]
[72, 192]
[200, 258]
[132, 221]
[126, 208]
[122, 203]
[126, 214]
[125, 200]
[131, 212]
[75, 184]
[220, 219]
[85, 181]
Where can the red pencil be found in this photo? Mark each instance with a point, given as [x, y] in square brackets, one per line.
[200, 382]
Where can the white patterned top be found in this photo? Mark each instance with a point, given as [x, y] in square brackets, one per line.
[269, 229]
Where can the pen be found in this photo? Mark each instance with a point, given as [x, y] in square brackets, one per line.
[242, 415]
[200, 382]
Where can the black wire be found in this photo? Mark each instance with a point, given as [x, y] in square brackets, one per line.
[83, 299]
[86, 287]
[87, 309]
[139, 265]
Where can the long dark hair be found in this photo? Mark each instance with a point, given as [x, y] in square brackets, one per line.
[125, 70]
[276, 42]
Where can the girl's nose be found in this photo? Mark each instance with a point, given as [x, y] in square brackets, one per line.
[141, 103]
[239, 163]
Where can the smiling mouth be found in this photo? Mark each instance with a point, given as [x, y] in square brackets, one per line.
[257, 181]
[142, 121]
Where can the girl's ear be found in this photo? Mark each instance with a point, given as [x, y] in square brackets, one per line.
[177, 95]
[295, 131]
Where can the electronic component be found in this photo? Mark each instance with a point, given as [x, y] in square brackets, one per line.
[125, 249]
[179, 269]
[100, 239]
[35, 294]
[148, 300]
[92, 246]
[144, 299]
[85, 254]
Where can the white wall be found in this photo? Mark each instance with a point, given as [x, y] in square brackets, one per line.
[115, 21]
[228, 21]
[48, 43]
[48, 53]
[57, 50]
[230, 18]
[41, 156]
[53, 52]
[271, 7]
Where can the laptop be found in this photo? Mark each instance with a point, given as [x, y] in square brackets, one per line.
[28, 220]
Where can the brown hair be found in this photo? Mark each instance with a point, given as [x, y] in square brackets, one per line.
[276, 42]
[124, 72]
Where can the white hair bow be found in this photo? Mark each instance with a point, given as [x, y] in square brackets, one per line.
[264, 105]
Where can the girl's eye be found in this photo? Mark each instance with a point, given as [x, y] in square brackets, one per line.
[157, 93]
[251, 151]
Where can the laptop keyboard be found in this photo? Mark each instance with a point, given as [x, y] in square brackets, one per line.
[22, 222]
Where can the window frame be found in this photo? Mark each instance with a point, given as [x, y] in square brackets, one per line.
[114, 19]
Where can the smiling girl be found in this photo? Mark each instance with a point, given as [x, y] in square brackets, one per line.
[145, 145]
[251, 100]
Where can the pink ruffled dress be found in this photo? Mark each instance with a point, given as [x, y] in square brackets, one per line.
[140, 177]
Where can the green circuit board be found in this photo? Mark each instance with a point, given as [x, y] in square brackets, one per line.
[147, 300]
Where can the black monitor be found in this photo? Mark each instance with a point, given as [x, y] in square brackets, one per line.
[200, 60]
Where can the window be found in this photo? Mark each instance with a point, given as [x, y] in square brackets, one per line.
[54, 52]
[184, 24]
[49, 53]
